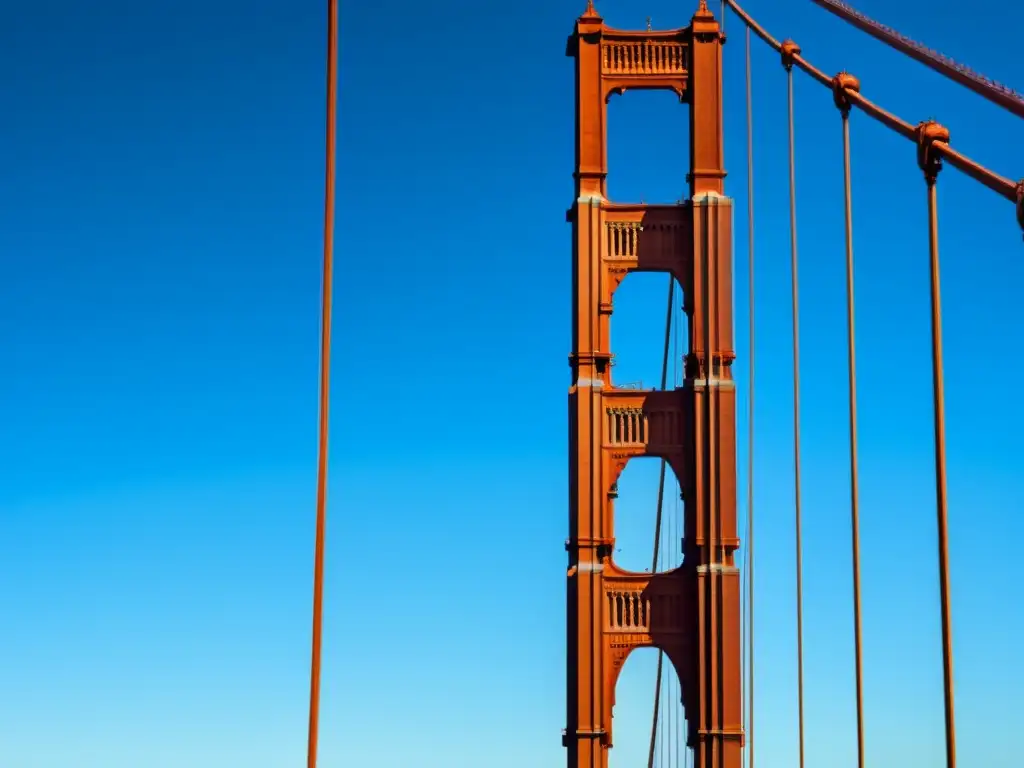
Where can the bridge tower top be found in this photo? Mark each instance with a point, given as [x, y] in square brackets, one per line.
[687, 61]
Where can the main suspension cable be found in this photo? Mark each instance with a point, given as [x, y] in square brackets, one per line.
[986, 87]
[1001, 185]
[325, 381]
[657, 517]
[749, 635]
[845, 83]
[788, 49]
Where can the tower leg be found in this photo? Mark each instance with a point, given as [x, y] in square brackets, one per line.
[711, 508]
[585, 735]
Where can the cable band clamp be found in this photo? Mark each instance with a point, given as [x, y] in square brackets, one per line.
[789, 50]
[842, 84]
[928, 159]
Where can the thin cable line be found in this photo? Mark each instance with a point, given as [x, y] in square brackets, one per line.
[854, 495]
[325, 380]
[938, 400]
[657, 518]
[796, 419]
[998, 184]
[750, 416]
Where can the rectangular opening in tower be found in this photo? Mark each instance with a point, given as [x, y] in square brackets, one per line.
[648, 147]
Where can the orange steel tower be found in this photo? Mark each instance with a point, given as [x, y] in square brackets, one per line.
[693, 612]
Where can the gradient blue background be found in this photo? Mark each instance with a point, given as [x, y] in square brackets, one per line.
[160, 230]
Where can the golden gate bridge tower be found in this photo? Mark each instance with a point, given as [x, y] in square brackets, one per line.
[691, 613]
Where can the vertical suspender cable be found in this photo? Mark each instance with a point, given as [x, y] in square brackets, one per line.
[657, 701]
[325, 379]
[931, 164]
[854, 498]
[796, 414]
[750, 416]
[940, 483]
[657, 517]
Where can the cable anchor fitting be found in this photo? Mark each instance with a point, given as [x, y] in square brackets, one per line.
[842, 84]
[929, 160]
[789, 49]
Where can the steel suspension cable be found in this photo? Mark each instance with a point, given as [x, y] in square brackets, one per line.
[940, 482]
[750, 415]
[985, 87]
[843, 104]
[657, 517]
[325, 380]
[931, 163]
[846, 93]
[789, 48]
[997, 183]
[657, 708]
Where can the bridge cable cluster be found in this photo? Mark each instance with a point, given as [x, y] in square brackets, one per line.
[933, 147]
[994, 181]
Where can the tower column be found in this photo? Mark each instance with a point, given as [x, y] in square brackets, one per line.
[591, 123]
[714, 699]
[585, 735]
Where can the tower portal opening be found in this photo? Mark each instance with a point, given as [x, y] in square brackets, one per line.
[634, 518]
[633, 713]
[637, 332]
[648, 147]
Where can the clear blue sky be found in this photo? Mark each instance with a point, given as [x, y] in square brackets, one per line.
[160, 226]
